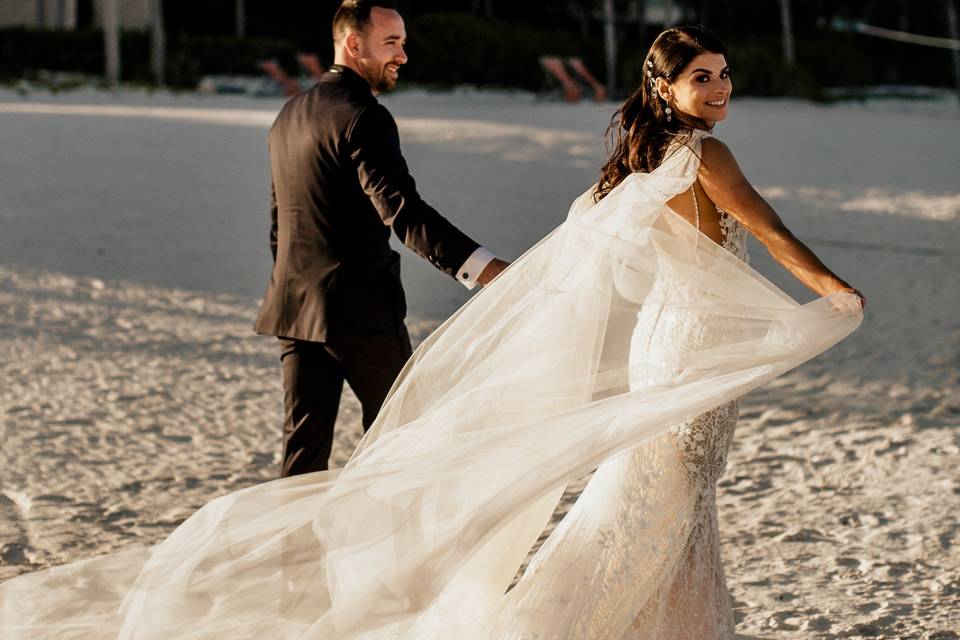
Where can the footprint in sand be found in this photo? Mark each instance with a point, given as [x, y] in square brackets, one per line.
[805, 535]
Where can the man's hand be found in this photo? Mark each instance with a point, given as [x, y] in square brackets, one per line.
[491, 271]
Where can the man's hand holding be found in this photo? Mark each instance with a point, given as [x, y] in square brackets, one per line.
[491, 271]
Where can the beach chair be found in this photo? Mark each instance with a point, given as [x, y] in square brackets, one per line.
[556, 74]
[289, 86]
[599, 91]
[310, 63]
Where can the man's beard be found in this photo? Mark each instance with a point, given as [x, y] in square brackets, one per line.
[378, 78]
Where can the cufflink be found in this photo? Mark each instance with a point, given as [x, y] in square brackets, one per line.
[465, 276]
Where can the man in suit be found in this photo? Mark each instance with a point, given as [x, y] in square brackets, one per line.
[340, 183]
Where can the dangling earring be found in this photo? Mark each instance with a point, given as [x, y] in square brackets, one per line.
[653, 88]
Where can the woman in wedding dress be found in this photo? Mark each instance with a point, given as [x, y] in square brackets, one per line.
[648, 516]
[620, 343]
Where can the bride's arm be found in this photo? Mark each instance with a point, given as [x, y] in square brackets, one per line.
[728, 188]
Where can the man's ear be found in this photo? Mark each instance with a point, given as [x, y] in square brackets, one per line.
[353, 45]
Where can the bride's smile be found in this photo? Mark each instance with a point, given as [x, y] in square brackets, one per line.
[701, 90]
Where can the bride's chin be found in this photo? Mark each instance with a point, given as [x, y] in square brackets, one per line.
[709, 116]
[715, 115]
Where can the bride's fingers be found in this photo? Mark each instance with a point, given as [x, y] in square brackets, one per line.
[848, 303]
[860, 296]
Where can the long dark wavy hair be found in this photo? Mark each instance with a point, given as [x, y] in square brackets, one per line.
[640, 133]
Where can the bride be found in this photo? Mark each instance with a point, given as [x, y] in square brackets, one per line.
[620, 343]
[642, 539]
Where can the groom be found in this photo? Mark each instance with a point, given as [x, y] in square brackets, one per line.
[340, 184]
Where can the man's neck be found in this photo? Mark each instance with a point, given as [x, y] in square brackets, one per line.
[344, 61]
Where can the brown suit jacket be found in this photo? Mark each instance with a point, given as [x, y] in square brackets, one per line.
[340, 183]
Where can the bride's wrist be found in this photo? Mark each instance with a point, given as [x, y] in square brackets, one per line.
[838, 285]
[854, 291]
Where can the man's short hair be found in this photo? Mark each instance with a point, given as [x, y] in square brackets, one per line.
[354, 15]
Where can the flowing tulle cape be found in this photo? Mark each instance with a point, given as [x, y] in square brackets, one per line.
[524, 389]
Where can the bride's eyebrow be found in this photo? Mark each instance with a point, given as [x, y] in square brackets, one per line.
[708, 72]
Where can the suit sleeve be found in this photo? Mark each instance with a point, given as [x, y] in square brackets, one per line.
[273, 220]
[374, 145]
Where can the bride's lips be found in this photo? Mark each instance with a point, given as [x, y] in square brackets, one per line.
[717, 104]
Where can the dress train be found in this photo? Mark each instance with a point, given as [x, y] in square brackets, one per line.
[528, 386]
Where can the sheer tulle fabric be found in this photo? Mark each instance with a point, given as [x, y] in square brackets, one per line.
[638, 555]
[529, 385]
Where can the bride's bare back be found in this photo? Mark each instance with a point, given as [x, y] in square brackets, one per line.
[701, 210]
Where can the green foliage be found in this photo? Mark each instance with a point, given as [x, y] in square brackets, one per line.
[759, 69]
[450, 49]
[460, 48]
[444, 49]
[191, 57]
[23, 52]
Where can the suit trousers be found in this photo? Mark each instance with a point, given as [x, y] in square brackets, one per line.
[313, 377]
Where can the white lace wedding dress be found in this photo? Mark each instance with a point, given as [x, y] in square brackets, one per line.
[619, 343]
[639, 552]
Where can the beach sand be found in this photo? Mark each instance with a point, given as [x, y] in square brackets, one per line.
[133, 391]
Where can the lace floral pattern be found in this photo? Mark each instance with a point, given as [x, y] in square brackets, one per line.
[734, 236]
[694, 603]
[639, 553]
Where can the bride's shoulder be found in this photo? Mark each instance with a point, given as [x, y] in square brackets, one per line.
[714, 152]
[703, 140]
[718, 166]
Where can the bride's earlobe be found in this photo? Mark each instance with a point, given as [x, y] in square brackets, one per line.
[663, 89]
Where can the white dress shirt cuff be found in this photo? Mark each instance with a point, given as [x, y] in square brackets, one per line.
[470, 270]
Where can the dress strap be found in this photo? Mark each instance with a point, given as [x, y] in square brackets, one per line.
[696, 205]
[697, 134]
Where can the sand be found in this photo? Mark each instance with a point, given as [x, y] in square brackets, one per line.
[133, 252]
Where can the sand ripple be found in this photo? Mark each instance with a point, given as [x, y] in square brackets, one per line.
[126, 407]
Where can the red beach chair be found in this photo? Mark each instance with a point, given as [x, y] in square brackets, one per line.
[289, 85]
[311, 64]
[556, 72]
[599, 91]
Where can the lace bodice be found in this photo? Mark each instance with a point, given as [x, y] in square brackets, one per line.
[734, 235]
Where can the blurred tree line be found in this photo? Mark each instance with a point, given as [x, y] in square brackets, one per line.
[498, 42]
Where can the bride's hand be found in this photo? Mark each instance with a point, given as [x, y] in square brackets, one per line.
[863, 300]
[844, 305]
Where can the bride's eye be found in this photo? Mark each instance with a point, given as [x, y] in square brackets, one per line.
[703, 79]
